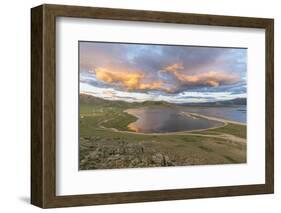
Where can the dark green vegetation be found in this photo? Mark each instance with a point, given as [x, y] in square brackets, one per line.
[102, 146]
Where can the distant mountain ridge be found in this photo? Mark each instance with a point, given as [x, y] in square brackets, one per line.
[236, 101]
[89, 99]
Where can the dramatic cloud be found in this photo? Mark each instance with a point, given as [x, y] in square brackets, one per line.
[127, 80]
[208, 79]
[166, 71]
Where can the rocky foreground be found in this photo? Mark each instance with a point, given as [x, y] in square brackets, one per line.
[95, 155]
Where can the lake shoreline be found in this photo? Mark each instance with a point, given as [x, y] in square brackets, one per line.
[131, 127]
[224, 121]
[189, 132]
[215, 118]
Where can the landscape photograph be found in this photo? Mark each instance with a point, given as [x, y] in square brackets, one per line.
[158, 105]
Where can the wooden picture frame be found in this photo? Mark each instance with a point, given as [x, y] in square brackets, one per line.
[43, 105]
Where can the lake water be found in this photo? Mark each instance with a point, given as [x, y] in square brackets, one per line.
[229, 113]
[160, 120]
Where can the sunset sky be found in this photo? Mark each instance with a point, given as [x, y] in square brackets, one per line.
[178, 74]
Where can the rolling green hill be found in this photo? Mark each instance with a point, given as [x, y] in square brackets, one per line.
[91, 100]
[105, 142]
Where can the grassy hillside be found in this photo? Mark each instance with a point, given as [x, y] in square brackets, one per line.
[91, 100]
[102, 147]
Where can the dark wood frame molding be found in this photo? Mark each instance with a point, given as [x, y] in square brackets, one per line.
[43, 105]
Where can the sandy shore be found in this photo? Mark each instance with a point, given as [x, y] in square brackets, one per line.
[213, 118]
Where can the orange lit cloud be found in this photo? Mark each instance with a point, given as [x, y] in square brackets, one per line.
[130, 80]
[140, 81]
[210, 78]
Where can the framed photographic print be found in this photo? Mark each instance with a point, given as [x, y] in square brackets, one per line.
[137, 106]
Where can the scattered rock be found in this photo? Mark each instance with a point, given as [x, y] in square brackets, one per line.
[157, 158]
[121, 155]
